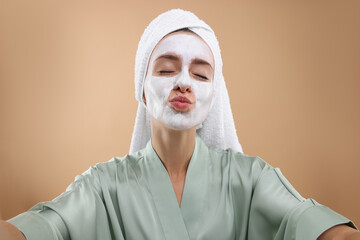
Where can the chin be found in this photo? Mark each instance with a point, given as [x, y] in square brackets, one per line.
[178, 126]
[179, 121]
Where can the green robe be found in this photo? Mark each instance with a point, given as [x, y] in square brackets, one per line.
[227, 195]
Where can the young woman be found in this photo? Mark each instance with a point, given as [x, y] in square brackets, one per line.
[186, 176]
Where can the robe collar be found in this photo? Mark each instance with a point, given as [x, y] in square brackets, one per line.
[179, 222]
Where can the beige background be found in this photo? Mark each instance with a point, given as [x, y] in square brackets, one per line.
[67, 96]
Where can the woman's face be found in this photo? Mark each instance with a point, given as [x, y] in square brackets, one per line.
[178, 87]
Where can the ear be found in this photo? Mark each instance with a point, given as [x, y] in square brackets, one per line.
[144, 98]
[143, 87]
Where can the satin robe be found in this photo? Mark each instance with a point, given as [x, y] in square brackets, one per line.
[227, 195]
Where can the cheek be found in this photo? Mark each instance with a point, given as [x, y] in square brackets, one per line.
[157, 89]
[203, 92]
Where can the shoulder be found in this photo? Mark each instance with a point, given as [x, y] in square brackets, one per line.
[105, 173]
[238, 159]
[240, 166]
[242, 160]
[118, 163]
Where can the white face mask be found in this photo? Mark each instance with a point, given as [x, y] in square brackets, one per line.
[164, 91]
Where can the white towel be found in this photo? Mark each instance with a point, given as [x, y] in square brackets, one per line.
[218, 129]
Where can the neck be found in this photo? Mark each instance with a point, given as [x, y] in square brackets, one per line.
[174, 147]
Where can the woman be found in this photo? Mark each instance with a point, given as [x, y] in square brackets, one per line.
[186, 177]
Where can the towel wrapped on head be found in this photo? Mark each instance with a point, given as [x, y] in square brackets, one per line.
[218, 129]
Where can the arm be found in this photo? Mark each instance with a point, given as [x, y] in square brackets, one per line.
[280, 209]
[340, 232]
[81, 212]
[10, 232]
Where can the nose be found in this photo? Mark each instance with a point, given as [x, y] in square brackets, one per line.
[183, 88]
[183, 84]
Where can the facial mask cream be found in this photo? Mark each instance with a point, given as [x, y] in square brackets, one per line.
[182, 98]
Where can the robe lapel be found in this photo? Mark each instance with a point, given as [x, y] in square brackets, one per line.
[164, 197]
[194, 198]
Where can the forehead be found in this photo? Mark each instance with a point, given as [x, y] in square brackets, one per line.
[185, 44]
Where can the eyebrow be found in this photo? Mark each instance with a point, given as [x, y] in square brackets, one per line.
[174, 57]
[200, 61]
[168, 56]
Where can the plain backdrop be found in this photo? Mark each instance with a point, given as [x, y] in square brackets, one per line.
[67, 101]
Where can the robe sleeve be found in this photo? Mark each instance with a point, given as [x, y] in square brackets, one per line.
[78, 213]
[278, 211]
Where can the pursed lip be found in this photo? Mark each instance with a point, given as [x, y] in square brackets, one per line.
[180, 103]
[180, 99]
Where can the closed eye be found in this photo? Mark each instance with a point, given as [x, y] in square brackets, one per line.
[166, 72]
[201, 76]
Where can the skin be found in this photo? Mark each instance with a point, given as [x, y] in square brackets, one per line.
[180, 71]
[10, 232]
[175, 148]
[340, 232]
[174, 139]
